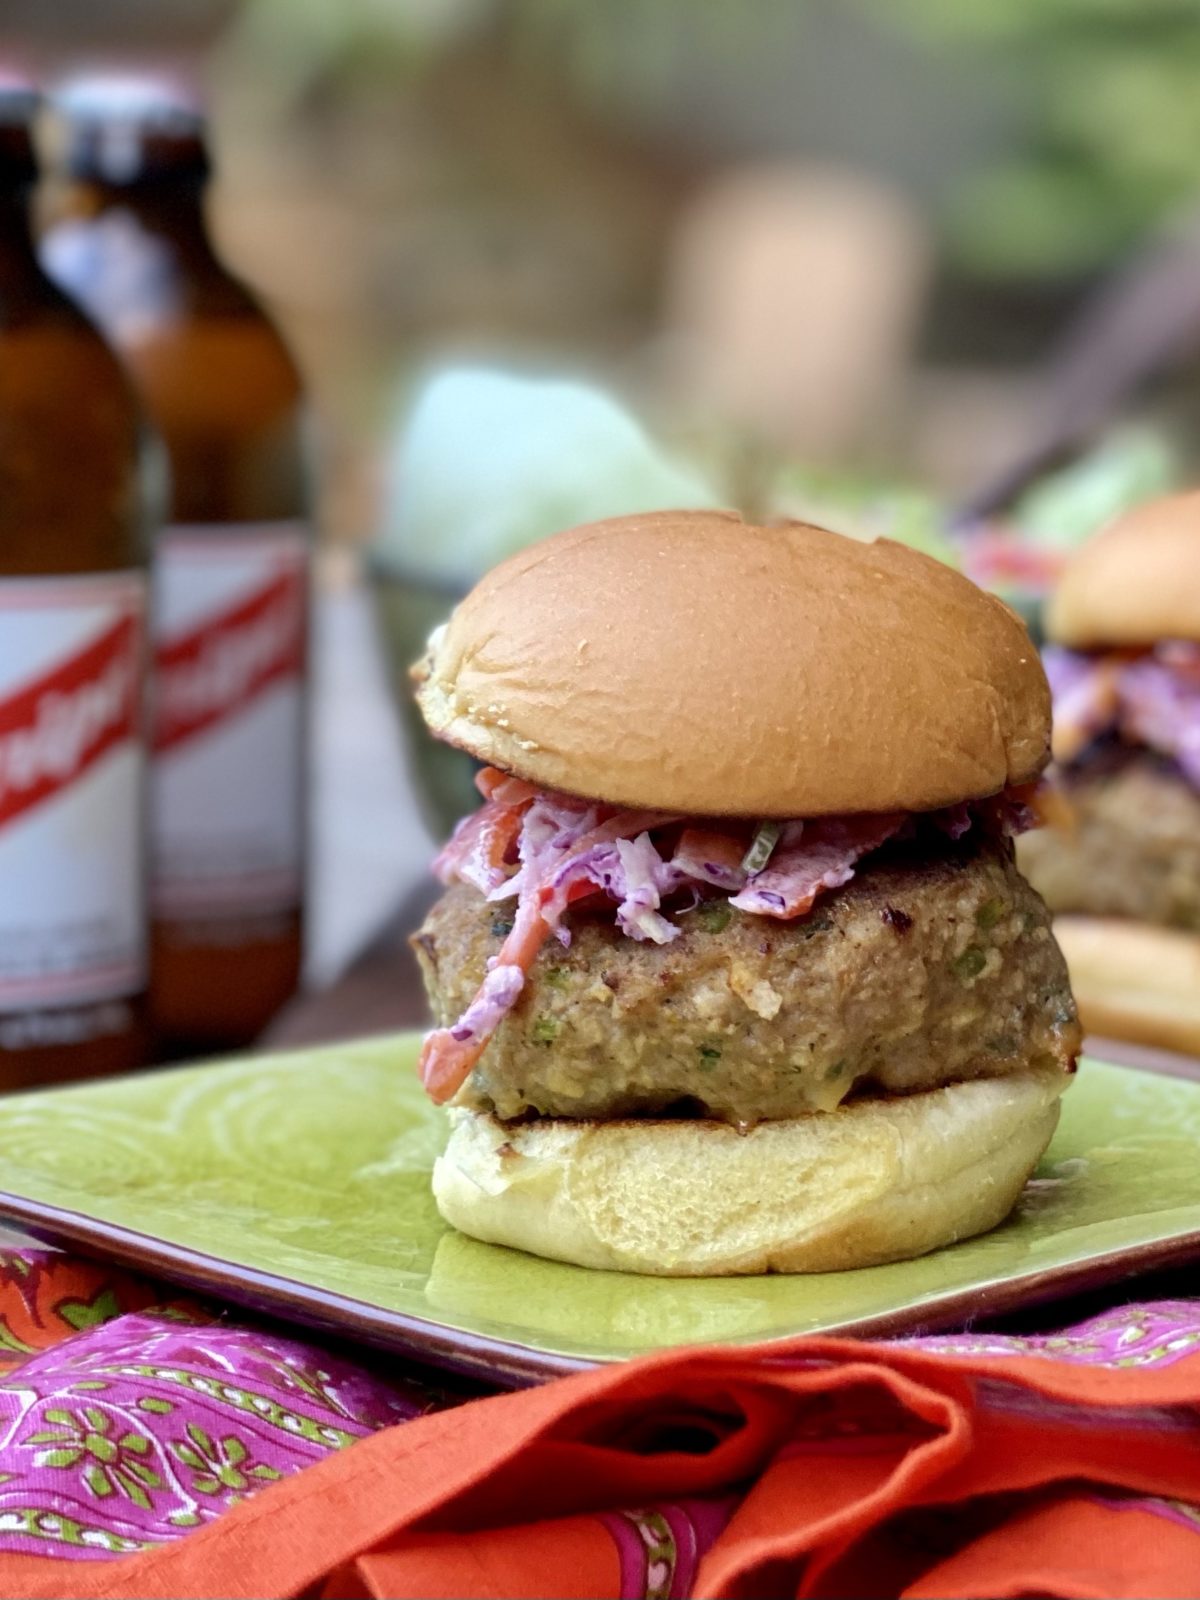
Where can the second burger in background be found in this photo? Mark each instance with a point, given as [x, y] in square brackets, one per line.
[1121, 867]
[735, 971]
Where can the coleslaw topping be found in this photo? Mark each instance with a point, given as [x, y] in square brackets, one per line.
[1151, 698]
[550, 851]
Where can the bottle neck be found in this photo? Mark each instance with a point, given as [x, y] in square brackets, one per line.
[148, 238]
[171, 210]
[16, 215]
[18, 253]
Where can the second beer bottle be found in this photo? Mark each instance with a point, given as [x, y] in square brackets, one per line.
[231, 568]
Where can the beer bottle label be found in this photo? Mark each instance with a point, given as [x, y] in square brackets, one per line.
[72, 769]
[228, 718]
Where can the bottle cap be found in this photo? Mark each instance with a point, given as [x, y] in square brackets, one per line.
[122, 128]
[18, 94]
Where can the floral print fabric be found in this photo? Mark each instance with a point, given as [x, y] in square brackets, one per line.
[124, 1423]
[130, 1415]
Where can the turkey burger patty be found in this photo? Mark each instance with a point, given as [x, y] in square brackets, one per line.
[934, 965]
[1132, 846]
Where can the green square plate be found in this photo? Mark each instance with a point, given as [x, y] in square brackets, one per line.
[299, 1185]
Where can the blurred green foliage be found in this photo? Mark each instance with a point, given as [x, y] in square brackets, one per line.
[1096, 102]
[588, 38]
[1108, 93]
[292, 47]
[1102, 100]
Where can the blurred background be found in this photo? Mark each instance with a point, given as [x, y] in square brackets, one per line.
[854, 258]
[891, 208]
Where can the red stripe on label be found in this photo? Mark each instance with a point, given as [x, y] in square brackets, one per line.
[209, 674]
[57, 727]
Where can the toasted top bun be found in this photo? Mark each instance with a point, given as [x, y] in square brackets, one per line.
[689, 661]
[1136, 582]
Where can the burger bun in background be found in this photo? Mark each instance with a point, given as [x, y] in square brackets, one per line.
[1134, 981]
[1136, 583]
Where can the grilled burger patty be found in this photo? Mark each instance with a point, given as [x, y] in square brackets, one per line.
[935, 964]
[1134, 850]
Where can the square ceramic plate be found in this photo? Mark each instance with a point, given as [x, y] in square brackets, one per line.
[299, 1185]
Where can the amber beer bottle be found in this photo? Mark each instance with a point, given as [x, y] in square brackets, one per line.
[231, 566]
[72, 610]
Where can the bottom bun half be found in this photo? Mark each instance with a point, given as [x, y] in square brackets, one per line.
[1133, 980]
[877, 1180]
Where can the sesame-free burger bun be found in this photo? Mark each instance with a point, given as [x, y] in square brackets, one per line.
[1133, 980]
[688, 661]
[1136, 582]
[880, 1179]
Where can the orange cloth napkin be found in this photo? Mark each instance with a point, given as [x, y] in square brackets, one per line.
[974, 1465]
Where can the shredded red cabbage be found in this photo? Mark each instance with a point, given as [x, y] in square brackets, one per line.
[562, 849]
[810, 857]
[491, 1005]
[550, 850]
[1152, 699]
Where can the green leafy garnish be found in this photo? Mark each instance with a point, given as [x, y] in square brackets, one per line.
[545, 1030]
[556, 977]
[710, 1054]
[759, 853]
